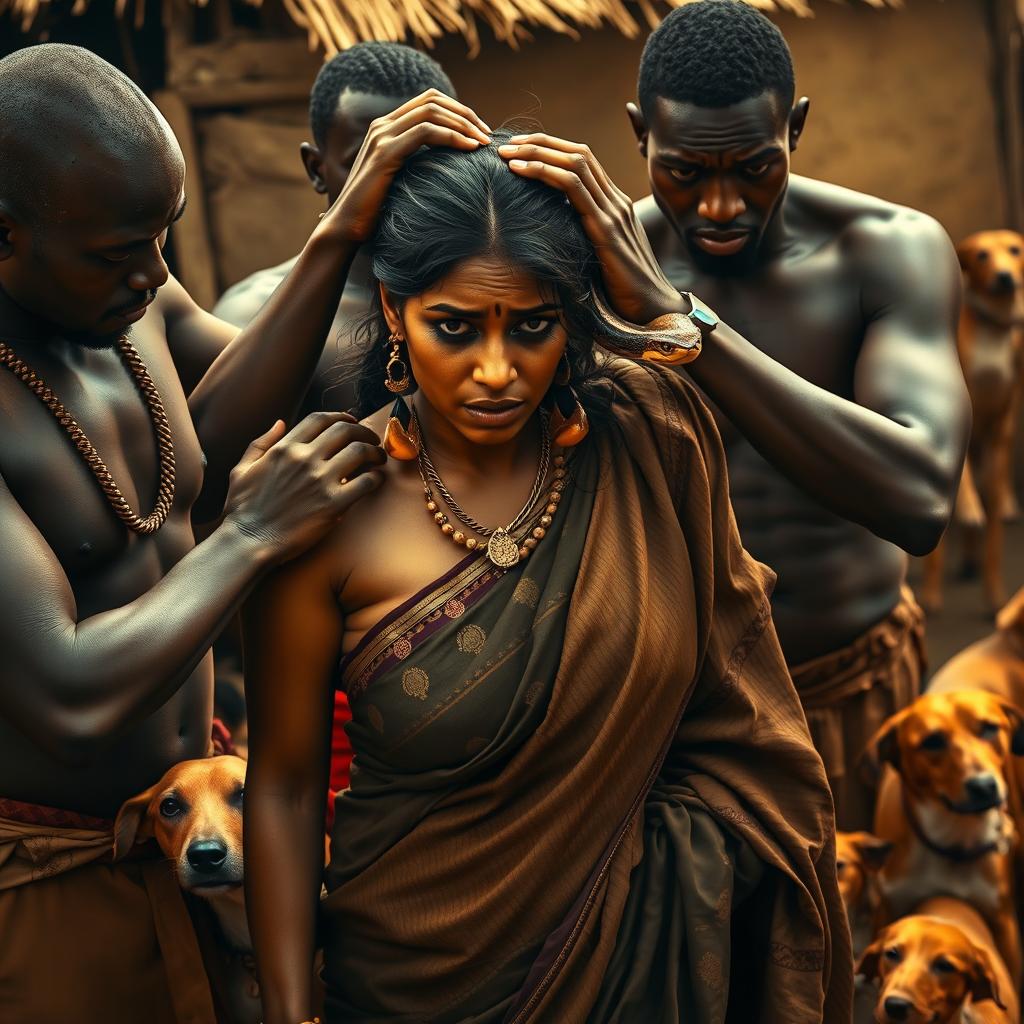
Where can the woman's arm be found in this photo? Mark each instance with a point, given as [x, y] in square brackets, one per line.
[293, 630]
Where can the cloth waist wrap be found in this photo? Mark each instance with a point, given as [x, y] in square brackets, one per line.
[47, 846]
[889, 656]
[569, 778]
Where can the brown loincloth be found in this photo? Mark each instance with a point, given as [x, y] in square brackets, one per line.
[848, 694]
[86, 939]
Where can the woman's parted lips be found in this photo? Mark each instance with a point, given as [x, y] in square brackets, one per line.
[495, 404]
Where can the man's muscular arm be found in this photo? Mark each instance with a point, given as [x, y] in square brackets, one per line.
[891, 458]
[72, 684]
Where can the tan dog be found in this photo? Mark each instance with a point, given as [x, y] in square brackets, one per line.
[989, 341]
[995, 663]
[859, 858]
[195, 814]
[940, 966]
[945, 808]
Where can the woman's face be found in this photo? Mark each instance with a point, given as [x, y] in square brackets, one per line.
[484, 344]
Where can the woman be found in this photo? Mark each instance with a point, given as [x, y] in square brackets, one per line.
[583, 789]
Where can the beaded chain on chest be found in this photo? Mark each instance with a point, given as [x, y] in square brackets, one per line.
[165, 443]
[501, 546]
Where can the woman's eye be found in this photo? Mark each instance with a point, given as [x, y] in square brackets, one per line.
[453, 328]
[535, 325]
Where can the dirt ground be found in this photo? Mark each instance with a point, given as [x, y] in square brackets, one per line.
[964, 618]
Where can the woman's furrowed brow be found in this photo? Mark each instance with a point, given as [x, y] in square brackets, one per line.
[479, 314]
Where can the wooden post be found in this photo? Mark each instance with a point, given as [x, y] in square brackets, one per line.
[192, 243]
[1007, 27]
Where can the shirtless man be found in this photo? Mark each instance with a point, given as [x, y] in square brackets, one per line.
[106, 621]
[834, 371]
[355, 87]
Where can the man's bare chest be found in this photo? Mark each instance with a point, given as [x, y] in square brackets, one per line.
[46, 472]
[805, 315]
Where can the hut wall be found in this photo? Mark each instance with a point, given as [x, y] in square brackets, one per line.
[901, 107]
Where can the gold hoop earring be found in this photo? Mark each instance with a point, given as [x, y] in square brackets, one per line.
[396, 373]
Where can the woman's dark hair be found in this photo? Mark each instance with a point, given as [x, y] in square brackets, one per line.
[446, 206]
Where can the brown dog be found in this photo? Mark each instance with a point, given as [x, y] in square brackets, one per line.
[989, 341]
[195, 814]
[940, 966]
[945, 807]
[859, 858]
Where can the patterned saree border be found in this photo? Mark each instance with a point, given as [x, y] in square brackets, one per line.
[396, 635]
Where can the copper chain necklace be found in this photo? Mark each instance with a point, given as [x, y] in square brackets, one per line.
[164, 441]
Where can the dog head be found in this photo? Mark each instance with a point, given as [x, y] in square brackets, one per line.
[195, 814]
[859, 857]
[953, 748]
[928, 968]
[993, 268]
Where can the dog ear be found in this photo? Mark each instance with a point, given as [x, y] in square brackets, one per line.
[868, 963]
[963, 251]
[874, 851]
[882, 749]
[1010, 618]
[1016, 717]
[132, 825]
[982, 982]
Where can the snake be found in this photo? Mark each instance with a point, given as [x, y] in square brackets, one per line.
[672, 338]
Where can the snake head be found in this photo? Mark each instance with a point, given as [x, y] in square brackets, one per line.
[673, 338]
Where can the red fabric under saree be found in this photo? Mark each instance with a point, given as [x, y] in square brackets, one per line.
[584, 790]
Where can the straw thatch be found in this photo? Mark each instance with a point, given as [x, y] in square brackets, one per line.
[336, 24]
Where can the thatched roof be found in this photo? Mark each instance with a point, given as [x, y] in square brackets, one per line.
[337, 24]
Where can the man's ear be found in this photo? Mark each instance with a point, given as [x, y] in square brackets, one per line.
[132, 824]
[313, 161]
[640, 129]
[797, 120]
[391, 313]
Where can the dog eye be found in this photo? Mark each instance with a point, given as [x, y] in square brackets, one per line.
[982, 255]
[943, 966]
[1014, 250]
[892, 954]
[238, 796]
[840, 866]
[169, 807]
[988, 730]
[934, 741]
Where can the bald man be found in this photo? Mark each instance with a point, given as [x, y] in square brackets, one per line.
[107, 606]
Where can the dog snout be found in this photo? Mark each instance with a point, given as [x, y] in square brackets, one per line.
[983, 790]
[897, 1008]
[1004, 281]
[207, 857]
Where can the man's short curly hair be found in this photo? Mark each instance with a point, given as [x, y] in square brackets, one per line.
[381, 69]
[714, 53]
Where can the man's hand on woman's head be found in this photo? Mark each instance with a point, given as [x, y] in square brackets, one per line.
[430, 119]
[634, 283]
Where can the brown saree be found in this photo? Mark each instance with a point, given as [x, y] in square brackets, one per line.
[584, 790]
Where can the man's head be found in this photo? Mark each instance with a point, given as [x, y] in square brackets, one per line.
[716, 124]
[91, 178]
[357, 86]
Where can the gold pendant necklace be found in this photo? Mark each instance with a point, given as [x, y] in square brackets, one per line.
[502, 548]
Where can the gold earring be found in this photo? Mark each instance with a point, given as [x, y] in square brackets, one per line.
[401, 435]
[568, 424]
[396, 373]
